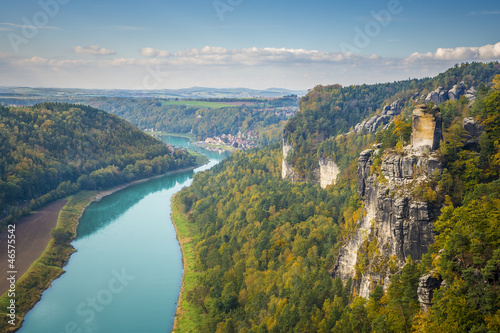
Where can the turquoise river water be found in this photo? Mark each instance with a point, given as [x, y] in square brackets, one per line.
[127, 273]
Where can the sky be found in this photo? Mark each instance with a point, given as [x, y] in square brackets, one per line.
[159, 44]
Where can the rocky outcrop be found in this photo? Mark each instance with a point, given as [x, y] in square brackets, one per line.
[395, 218]
[287, 171]
[440, 95]
[437, 96]
[374, 122]
[473, 131]
[328, 172]
[457, 91]
[471, 94]
[325, 174]
[427, 128]
[426, 287]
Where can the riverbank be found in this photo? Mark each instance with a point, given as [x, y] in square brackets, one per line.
[49, 265]
[187, 317]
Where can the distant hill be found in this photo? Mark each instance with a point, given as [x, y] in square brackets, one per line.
[30, 96]
[51, 150]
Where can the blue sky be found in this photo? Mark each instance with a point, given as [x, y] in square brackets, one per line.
[294, 44]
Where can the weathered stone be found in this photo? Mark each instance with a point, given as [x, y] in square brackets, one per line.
[427, 128]
[437, 96]
[457, 91]
[364, 164]
[471, 94]
[426, 287]
[373, 123]
[287, 171]
[473, 131]
[328, 172]
[401, 224]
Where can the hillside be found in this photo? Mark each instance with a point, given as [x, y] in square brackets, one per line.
[51, 150]
[328, 111]
[261, 118]
[373, 251]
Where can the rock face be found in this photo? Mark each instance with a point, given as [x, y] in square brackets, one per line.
[287, 171]
[427, 128]
[325, 174]
[473, 131]
[426, 287]
[440, 95]
[328, 172]
[437, 96]
[471, 94]
[388, 112]
[457, 91]
[395, 219]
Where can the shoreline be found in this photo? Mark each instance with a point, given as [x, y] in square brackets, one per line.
[51, 272]
[184, 263]
[185, 315]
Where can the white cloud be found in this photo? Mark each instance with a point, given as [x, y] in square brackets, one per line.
[218, 67]
[93, 50]
[151, 52]
[33, 61]
[486, 52]
[210, 55]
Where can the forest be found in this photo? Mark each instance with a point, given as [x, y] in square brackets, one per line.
[51, 150]
[267, 246]
[260, 116]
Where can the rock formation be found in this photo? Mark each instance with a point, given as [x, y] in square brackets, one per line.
[388, 112]
[440, 95]
[471, 94]
[473, 131]
[457, 91]
[328, 172]
[427, 128]
[287, 171]
[426, 287]
[395, 217]
[437, 96]
[325, 174]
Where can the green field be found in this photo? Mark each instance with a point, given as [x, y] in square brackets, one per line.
[201, 104]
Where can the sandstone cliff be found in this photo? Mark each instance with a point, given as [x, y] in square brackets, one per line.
[326, 172]
[287, 171]
[397, 221]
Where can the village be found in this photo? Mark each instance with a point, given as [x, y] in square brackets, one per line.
[228, 142]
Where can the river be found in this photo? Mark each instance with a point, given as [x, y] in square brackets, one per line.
[127, 273]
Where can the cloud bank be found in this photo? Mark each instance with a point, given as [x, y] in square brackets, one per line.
[214, 66]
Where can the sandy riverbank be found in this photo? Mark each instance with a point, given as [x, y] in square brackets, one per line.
[32, 237]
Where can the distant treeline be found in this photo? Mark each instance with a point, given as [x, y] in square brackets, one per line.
[202, 122]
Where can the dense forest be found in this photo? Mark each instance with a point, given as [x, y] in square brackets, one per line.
[263, 118]
[52, 150]
[268, 246]
[328, 111]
